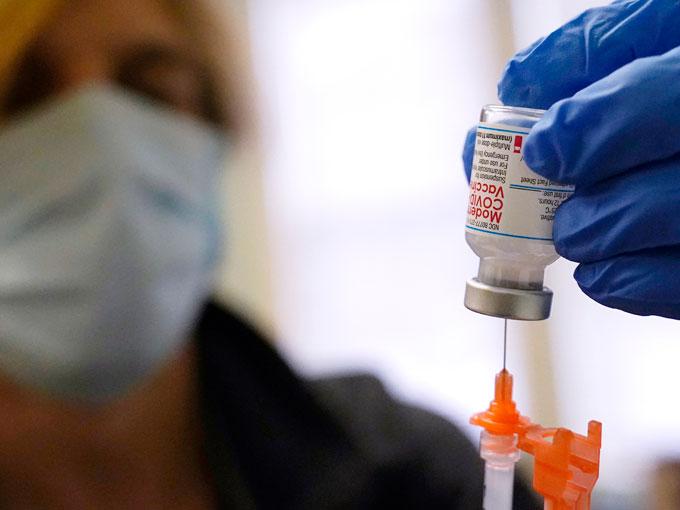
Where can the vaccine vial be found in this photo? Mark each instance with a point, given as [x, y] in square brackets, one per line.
[509, 219]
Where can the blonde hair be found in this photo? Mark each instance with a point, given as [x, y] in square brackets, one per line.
[20, 21]
[216, 30]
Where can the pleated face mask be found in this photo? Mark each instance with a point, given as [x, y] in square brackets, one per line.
[109, 238]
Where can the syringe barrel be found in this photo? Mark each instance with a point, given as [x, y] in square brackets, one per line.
[498, 485]
[500, 453]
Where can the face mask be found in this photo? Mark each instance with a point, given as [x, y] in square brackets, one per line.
[108, 241]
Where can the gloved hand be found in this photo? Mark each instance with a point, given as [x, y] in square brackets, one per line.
[610, 80]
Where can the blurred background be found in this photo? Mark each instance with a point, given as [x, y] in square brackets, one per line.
[347, 243]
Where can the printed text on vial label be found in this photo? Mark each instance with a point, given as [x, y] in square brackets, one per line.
[506, 197]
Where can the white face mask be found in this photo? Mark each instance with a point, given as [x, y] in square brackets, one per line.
[109, 236]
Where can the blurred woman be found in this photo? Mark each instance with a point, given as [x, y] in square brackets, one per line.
[121, 384]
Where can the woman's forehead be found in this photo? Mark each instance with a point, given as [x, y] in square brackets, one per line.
[71, 39]
[90, 26]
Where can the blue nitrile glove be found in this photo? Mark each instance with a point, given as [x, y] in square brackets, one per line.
[611, 81]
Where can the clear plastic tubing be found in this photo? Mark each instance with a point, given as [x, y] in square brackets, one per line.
[500, 454]
[509, 219]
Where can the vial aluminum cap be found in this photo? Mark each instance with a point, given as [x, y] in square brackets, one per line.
[516, 304]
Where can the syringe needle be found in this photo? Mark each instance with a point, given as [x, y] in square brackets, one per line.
[505, 342]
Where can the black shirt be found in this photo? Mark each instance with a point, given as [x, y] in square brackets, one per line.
[276, 441]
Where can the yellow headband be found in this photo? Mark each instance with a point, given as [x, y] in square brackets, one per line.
[20, 21]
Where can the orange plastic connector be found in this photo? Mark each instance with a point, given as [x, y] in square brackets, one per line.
[502, 417]
[566, 464]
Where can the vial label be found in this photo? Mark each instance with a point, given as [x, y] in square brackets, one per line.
[506, 197]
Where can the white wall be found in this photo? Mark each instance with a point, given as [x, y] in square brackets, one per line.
[366, 105]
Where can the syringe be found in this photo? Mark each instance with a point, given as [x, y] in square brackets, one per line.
[566, 464]
[499, 451]
[505, 342]
[498, 446]
[509, 226]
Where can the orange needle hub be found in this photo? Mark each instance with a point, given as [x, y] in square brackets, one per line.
[566, 464]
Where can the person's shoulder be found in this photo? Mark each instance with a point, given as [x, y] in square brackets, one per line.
[375, 418]
[428, 458]
[399, 454]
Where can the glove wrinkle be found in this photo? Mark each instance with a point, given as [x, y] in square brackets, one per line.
[625, 120]
[644, 283]
[625, 214]
[587, 49]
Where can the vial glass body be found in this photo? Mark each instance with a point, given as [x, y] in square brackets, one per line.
[510, 209]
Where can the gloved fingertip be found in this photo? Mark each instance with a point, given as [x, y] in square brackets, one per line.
[598, 298]
[512, 89]
[586, 275]
[566, 234]
[539, 153]
[469, 151]
[597, 281]
[518, 85]
[544, 149]
[532, 155]
[561, 244]
[588, 278]
[629, 304]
